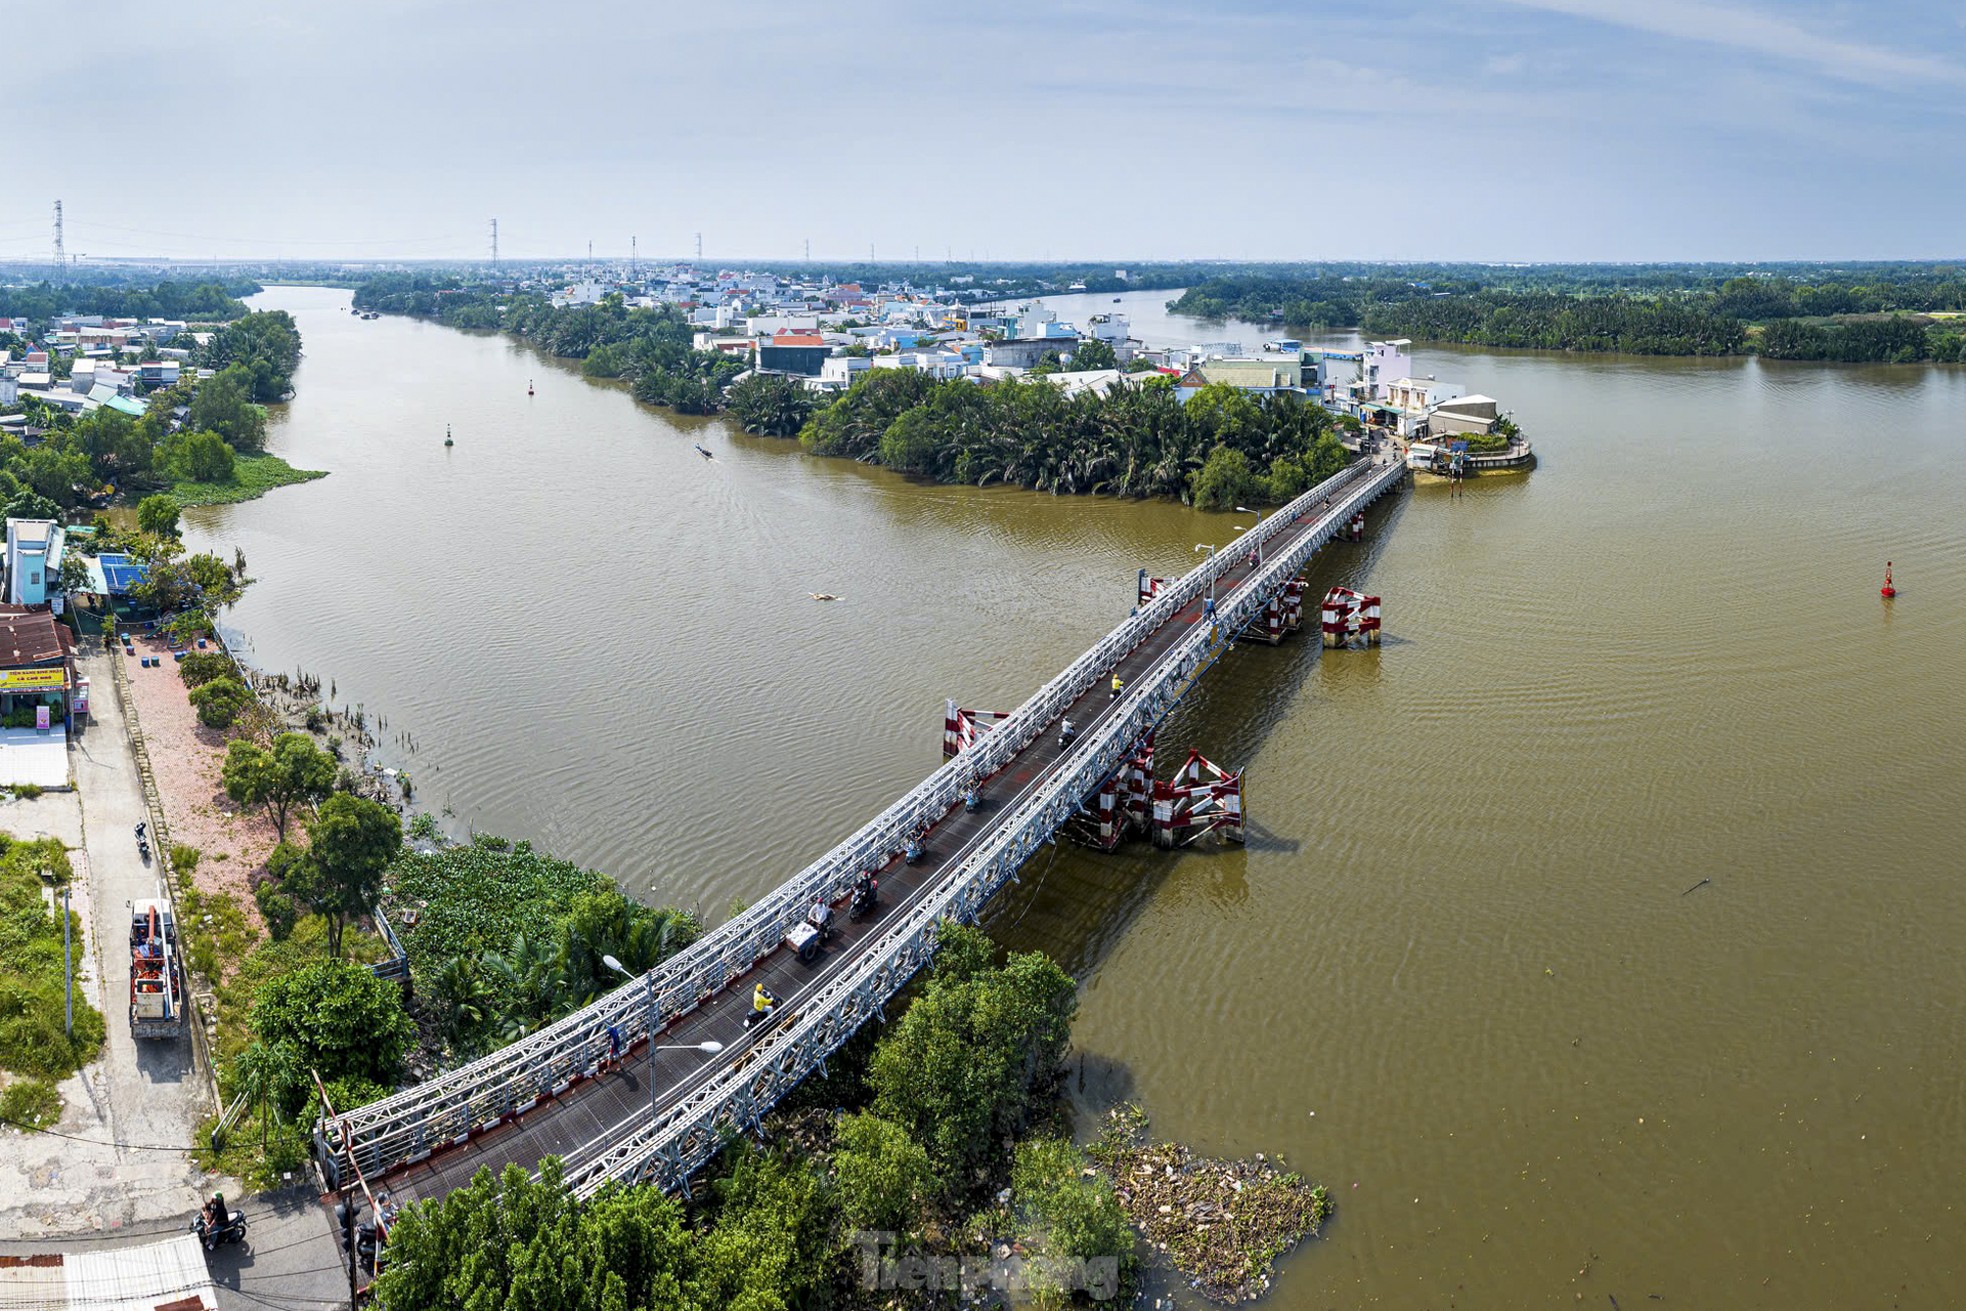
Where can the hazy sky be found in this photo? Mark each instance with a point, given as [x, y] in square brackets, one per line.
[1483, 129]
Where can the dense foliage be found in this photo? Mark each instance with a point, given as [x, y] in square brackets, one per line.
[351, 841]
[32, 1039]
[204, 302]
[1126, 441]
[1645, 309]
[784, 1229]
[1893, 340]
[335, 1018]
[203, 439]
[505, 939]
[771, 405]
[265, 347]
[522, 1244]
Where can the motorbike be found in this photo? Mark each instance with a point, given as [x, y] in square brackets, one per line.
[232, 1231]
[1066, 732]
[972, 799]
[865, 896]
[912, 853]
[367, 1240]
[757, 1017]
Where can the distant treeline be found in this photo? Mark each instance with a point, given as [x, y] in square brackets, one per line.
[650, 348]
[1655, 310]
[202, 301]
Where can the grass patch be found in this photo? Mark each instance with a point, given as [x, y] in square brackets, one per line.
[32, 1037]
[240, 1155]
[30, 1104]
[481, 897]
[252, 476]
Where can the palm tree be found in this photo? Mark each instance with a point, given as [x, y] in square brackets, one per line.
[265, 1075]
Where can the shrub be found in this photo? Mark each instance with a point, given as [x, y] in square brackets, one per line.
[220, 701]
[279, 910]
[201, 667]
[30, 1104]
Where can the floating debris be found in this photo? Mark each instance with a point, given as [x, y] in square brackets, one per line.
[822, 596]
[1222, 1224]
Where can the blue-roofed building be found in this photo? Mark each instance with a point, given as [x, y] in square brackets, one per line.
[111, 574]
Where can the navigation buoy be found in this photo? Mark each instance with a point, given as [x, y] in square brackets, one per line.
[1887, 590]
[447, 436]
[528, 386]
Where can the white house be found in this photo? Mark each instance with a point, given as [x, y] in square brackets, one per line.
[34, 548]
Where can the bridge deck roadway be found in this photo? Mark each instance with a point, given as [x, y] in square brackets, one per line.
[602, 1110]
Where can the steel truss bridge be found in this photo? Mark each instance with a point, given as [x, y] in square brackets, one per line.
[555, 1093]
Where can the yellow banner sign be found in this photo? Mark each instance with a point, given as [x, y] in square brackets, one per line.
[33, 680]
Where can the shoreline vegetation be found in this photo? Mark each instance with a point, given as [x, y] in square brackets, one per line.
[1867, 313]
[932, 1159]
[198, 441]
[1222, 448]
[253, 475]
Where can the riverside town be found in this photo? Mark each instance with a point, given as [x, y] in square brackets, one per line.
[603, 708]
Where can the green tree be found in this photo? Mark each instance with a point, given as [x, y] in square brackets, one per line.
[350, 843]
[74, 573]
[1068, 1214]
[223, 404]
[337, 1019]
[1224, 481]
[202, 457]
[294, 772]
[220, 701]
[1094, 353]
[158, 515]
[268, 1076]
[957, 1071]
[770, 405]
[516, 1243]
[882, 1178]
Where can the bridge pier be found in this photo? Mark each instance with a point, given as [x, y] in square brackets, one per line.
[1347, 614]
[1201, 798]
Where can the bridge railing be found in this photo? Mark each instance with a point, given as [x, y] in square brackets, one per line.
[408, 1126]
[728, 1098]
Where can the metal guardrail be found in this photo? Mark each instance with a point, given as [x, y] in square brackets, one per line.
[408, 1126]
[729, 1099]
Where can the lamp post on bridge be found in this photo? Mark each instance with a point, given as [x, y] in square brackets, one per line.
[1210, 548]
[654, 1047]
[1243, 509]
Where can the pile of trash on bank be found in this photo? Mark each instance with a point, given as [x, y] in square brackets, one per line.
[1221, 1223]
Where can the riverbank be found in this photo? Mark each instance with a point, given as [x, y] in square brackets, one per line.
[254, 474]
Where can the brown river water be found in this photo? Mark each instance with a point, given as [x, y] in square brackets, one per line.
[1457, 972]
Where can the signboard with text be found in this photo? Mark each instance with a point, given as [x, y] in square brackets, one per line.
[33, 680]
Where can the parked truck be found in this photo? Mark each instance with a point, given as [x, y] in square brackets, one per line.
[156, 977]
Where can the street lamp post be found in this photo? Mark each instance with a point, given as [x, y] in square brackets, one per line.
[1243, 509]
[1210, 548]
[654, 1047]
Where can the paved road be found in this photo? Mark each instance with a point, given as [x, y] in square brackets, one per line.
[289, 1259]
[103, 1176]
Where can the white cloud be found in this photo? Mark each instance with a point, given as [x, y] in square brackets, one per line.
[1759, 33]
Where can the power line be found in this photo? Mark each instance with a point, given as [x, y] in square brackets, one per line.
[25, 1127]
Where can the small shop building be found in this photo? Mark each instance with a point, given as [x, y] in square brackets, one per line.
[37, 667]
